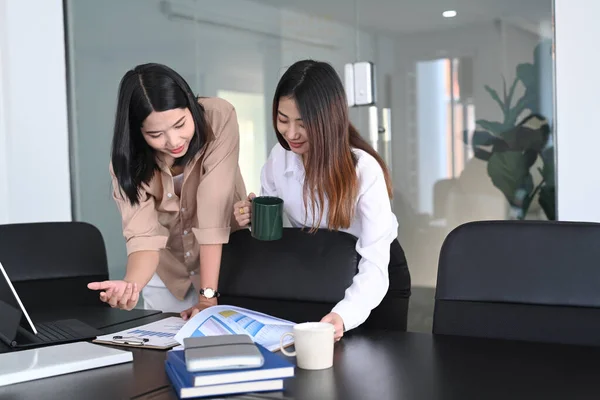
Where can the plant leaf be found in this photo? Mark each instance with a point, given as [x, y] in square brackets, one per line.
[505, 96]
[497, 128]
[548, 171]
[509, 173]
[532, 100]
[526, 74]
[522, 138]
[481, 154]
[517, 110]
[531, 133]
[500, 146]
[531, 156]
[484, 138]
[511, 93]
[529, 199]
[495, 96]
[547, 200]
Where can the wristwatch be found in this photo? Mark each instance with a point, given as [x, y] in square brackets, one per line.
[209, 293]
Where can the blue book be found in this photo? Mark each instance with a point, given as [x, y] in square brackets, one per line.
[185, 392]
[274, 367]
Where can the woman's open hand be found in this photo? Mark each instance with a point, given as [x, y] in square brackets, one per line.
[120, 294]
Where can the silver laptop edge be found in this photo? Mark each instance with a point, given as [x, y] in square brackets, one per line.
[14, 292]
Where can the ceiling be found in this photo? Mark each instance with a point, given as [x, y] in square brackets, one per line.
[411, 16]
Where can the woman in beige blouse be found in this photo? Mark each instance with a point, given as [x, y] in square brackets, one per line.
[175, 179]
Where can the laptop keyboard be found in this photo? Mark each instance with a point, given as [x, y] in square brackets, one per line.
[54, 332]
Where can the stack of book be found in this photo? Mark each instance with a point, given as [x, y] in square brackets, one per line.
[267, 378]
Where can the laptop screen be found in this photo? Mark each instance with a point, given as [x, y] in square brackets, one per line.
[12, 310]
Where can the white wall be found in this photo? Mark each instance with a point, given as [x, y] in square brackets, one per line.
[577, 106]
[3, 118]
[34, 145]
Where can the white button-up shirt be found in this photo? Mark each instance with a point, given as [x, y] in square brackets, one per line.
[374, 224]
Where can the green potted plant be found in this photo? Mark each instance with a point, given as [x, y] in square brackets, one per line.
[511, 148]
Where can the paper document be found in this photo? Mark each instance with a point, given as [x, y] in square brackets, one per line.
[159, 334]
[228, 320]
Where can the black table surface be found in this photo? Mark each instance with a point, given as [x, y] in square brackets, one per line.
[368, 365]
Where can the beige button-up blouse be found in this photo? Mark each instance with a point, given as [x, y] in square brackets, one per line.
[202, 214]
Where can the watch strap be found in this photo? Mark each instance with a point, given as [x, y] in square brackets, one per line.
[209, 293]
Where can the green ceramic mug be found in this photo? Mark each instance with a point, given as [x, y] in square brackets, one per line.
[267, 218]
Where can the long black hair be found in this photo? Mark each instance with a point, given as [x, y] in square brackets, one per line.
[144, 89]
[330, 164]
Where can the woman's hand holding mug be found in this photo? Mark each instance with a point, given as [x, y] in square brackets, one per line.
[243, 210]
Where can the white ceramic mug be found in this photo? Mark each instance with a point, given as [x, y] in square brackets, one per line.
[314, 345]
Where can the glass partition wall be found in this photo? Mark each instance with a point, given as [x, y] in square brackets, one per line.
[461, 110]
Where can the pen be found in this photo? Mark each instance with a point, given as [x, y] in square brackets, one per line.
[130, 340]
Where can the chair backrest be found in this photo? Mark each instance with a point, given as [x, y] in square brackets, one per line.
[300, 266]
[523, 280]
[50, 263]
[300, 277]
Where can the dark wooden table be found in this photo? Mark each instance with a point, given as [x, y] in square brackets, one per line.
[369, 365]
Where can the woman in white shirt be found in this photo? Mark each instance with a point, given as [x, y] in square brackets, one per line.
[330, 177]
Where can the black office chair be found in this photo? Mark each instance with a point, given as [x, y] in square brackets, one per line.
[302, 276]
[50, 263]
[521, 280]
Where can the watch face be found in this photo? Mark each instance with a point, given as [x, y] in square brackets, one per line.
[209, 293]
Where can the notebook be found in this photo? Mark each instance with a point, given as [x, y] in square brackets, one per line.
[223, 352]
[184, 391]
[43, 362]
[274, 367]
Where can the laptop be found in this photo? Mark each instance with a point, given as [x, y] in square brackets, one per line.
[17, 329]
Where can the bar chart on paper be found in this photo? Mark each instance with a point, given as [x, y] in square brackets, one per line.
[226, 320]
[147, 334]
[159, 334]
